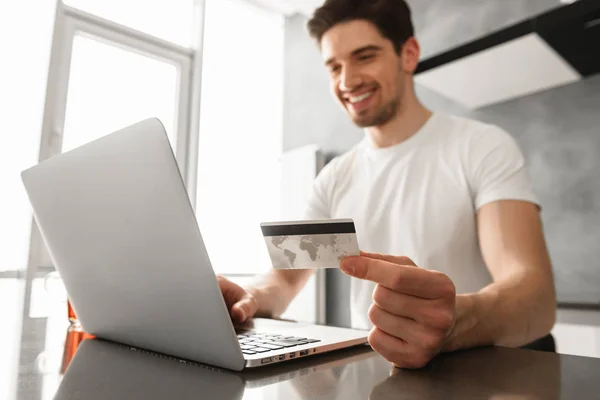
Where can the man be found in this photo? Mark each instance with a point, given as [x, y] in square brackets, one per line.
[452, 194]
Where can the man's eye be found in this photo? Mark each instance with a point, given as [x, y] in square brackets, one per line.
[365, 57]
[335, 69]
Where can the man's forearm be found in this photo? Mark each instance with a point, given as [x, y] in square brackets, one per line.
[275, 290]
[272, 301]
[507, 314]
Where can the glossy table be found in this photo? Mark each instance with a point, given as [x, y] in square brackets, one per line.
[103, 370]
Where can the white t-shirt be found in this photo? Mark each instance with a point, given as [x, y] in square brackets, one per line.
[419, 198]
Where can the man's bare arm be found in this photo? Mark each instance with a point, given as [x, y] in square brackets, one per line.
[275, 290]
[520, 306]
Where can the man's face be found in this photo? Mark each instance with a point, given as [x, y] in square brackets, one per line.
[366, 74]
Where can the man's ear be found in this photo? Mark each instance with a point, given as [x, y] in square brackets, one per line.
[411, 51]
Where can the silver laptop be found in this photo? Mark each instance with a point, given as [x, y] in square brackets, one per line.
[120, 229]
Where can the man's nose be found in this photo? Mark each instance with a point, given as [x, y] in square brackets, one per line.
[349, 80]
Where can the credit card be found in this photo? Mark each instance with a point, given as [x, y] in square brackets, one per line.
[310, 244]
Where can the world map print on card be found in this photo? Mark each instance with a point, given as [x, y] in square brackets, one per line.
[310, 245]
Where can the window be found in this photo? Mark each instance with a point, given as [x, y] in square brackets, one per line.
[238, 184]
[111, 87]
[169, 20]
[108, 77]
[103, 77]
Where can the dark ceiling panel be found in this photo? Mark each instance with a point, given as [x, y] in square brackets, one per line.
[575, 35]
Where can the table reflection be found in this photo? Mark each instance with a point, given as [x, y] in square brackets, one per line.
[103, 370]
[490, 373]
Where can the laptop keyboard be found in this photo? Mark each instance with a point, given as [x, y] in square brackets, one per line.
[255, 343]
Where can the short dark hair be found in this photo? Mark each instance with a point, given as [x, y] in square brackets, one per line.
[391, 17]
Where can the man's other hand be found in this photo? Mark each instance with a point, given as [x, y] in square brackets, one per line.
[242, 305]
[413, 309]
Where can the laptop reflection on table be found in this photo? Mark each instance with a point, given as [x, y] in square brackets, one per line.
[107, 370]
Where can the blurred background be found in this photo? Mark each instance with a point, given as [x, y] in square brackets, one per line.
[244, 97]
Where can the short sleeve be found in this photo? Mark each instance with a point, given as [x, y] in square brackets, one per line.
[318, 205]
[497, 169]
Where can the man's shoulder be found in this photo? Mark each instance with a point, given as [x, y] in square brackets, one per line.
[467, 127]
[465, 133]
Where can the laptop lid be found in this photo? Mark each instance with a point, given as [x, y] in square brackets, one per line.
[120, 229]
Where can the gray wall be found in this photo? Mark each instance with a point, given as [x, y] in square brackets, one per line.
[310, 113]
[558, 131]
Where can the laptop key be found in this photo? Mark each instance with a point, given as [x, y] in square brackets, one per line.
[259, 349]
[294, 342]
[263, 341]
[284, 344]
[246, 347]
[312, 340]
[270, 346]
[248, 352]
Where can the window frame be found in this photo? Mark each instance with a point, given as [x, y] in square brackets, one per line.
[70, 22]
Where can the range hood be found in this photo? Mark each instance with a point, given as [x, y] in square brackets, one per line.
[556, 48]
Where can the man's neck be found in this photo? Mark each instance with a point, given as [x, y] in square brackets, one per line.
[409, 120]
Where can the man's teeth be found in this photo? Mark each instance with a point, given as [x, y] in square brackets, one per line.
[356, 99]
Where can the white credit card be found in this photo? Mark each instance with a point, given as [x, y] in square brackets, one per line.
[310, 244]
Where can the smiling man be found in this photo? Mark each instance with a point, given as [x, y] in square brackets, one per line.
[448, 197]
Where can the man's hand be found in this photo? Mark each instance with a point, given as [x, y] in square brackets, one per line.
[412, 311]
[242, 305]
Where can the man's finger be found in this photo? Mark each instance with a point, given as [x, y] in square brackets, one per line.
[399, 304]
[396, 351]
[243, 309]
[403, 328]
[400, 260]
[400, 278]
[238, 315]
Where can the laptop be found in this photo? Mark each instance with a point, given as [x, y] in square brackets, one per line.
[119, 226]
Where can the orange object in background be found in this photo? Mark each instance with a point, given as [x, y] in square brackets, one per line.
[71, 313]
[75, 335]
